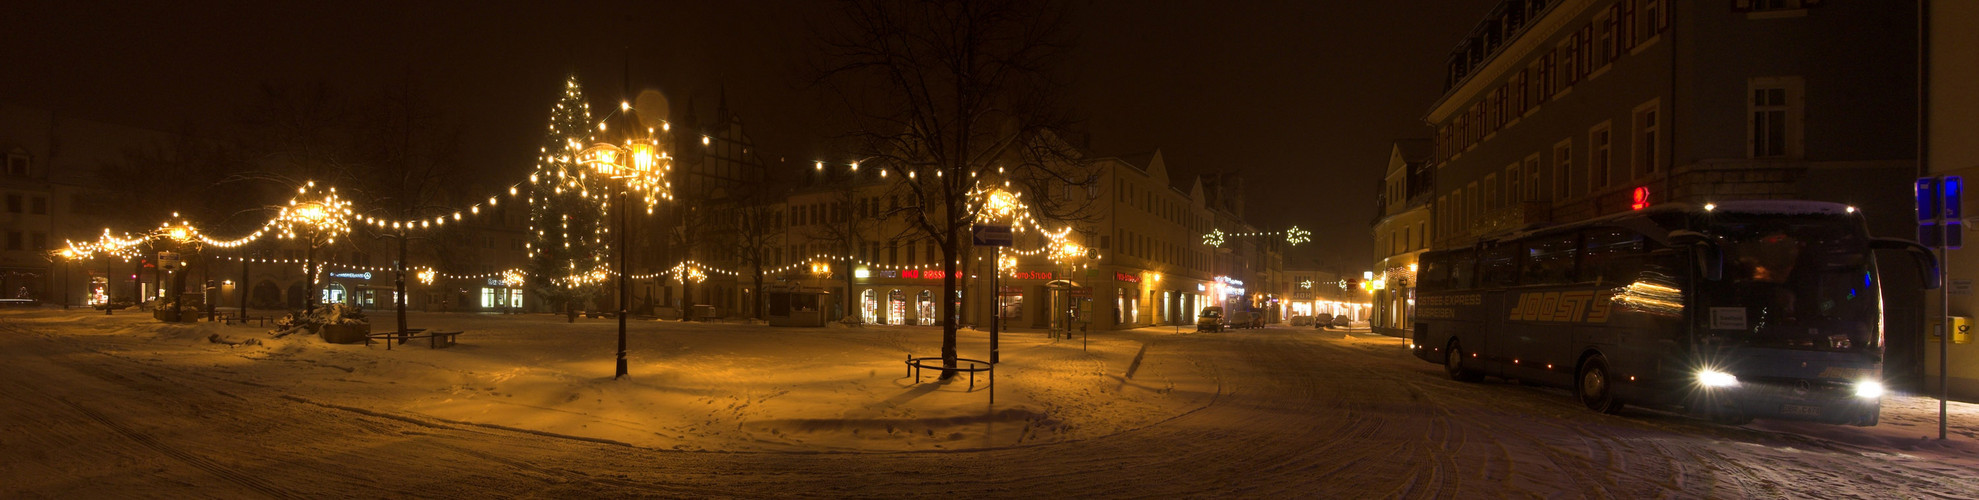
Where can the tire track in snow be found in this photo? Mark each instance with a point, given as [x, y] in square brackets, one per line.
[216, 469]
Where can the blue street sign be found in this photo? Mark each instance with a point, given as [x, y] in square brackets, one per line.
[992, 235]
[1927, 198]
[1954, 234]
[1953, 185]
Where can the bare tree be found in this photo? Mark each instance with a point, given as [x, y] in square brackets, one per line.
[940, 93]
[404, 168]
[752, 230]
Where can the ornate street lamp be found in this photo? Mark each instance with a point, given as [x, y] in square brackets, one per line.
[639, 166]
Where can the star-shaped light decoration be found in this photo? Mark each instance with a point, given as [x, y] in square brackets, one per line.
[1296, 236]
[1214, 238]
[1306, 284]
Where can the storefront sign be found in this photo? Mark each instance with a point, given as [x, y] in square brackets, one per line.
[1031, 275]
[358, 276]
[1127, 277]
[1084, 291]
[1010, 290]
[495, 282]
[889, 273]
[919, 274]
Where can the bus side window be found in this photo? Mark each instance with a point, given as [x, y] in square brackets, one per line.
[1435, 275]
[1549, 260]
[1498, 267]
[1463, 270]
[1613, 256]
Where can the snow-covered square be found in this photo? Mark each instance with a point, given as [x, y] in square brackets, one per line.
[526, 405]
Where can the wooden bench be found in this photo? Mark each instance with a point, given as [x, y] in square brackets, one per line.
[231, 318]
[434, 339]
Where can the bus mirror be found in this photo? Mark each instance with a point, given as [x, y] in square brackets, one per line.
[1709, 256]
[1927, 262]
[1712, 260]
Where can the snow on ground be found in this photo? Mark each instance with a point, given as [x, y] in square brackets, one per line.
[94, 406]
[693, 386]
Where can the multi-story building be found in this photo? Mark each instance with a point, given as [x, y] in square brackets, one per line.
[1401, 233]
[1951, 107]
[1562, 110]
[1146, 264]
[50, 196]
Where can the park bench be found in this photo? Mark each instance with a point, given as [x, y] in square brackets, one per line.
[235, 317]
[434, 339]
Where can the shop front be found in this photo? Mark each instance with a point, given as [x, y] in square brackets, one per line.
[899, 296]
[497, 295]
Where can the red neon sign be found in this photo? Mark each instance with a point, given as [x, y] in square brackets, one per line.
[1640, 198]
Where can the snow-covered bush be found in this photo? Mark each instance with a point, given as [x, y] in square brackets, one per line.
[338, 314]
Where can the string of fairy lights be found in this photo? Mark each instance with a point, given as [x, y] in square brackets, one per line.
[585, 172]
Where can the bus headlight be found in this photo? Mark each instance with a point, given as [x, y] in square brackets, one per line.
[1868, 389]
[1714, 378]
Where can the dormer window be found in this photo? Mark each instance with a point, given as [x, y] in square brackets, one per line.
[17, 165]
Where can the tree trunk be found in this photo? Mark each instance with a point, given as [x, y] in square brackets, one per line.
[398, 283]
[309, 280]
[756, 299]
[948, 287]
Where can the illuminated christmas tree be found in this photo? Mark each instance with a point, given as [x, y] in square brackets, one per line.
[568, 222]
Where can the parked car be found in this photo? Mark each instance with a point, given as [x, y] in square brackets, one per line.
[1340, 321]
[1322, 321]
[1210, 320]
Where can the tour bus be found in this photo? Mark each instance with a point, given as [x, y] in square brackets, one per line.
[1732, 311]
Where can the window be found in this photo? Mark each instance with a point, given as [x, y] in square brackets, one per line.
[17, 165]
[1489, 199]
[1604, 40]
[1569, 56]
[1434, 274]
[1774, 117]
[13, 203]
[1563, 164]
[1614, 256]
[1498, 267]
[1598, 159]
[1549, 260]
[1644, 144]
[38, 205]
[13, 240]
[1543, 84]
[40, 241]
[1512, 186]
[1532, 185]
[1463, 270]
[1652, 20]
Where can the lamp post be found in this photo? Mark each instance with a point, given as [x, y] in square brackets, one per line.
[637, 164]
[999, 206]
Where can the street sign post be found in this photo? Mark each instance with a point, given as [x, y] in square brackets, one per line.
[1940, 205]
[990, 235]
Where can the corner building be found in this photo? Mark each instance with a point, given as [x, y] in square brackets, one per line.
[1562, 110]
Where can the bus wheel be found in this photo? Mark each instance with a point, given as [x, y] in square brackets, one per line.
[1593, 388]
[1453, 364]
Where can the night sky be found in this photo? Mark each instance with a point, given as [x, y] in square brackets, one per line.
[1303, 98]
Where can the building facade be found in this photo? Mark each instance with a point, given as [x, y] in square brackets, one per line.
[1562, 110]
[1951, 107]
[1401, 233]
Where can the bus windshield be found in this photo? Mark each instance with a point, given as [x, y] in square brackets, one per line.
[1794, 281]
